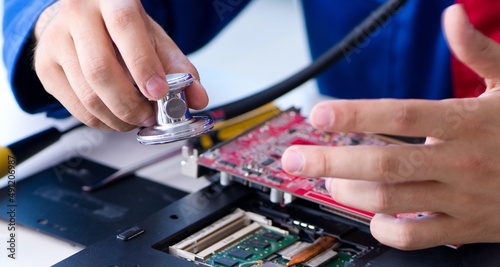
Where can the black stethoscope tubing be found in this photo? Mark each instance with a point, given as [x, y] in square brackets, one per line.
[340, 50]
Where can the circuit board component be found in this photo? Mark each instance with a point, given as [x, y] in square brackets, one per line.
[255, 156]
[257, 246]
[253, 234]
[244, 238]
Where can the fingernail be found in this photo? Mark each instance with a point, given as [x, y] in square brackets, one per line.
[156, 87]
[293, 162]
[321, 118]
[149, 122]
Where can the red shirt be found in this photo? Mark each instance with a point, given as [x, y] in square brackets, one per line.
[485, 16]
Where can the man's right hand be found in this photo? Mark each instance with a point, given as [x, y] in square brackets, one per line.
[93, 55]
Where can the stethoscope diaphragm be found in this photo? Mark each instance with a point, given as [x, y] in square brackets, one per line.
[174, 121]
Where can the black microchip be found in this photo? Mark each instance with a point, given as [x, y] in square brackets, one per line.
[130, 233]
[272, 236]
[267, 162]
[259, 244]
[227, 163]
[275, 179]
[226, 262]
[241, 254]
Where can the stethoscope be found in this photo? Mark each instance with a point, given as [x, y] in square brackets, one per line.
[175, 122]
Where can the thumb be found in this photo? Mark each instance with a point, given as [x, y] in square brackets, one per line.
[470, 46]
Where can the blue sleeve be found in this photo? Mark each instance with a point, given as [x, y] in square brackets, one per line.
[18, 21]
[191, 23]
[407, 57]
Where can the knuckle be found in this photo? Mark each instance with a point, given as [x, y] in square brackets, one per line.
[92, 101]
[357, 119]
[486, 48]
[41, 62]
[483, 48]
[405, 116]
[142, 61]
[47, 73]
[90, 120]
[385, 165]
[43, 68]
[123, 17]
[478, 128]
[97, 72]
[382, 199]
[325, 166]
[475, 163]
[130, 114]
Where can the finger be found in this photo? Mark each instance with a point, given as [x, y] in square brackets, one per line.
[389, 116]
[89, 99]
[128, 29]
[388, 198]
[409, 234]
[54, 81]
[397, 163]
[175, 62]
[196, 96]
[105, 75]
[470, 46]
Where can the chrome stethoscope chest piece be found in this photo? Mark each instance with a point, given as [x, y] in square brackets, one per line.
[174, 122]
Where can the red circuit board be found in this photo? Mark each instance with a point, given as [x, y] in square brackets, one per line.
[256, 156]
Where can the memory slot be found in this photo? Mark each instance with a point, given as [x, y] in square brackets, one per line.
[188, 247]
[229, 240]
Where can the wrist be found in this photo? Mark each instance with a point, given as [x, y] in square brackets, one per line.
[44, 19]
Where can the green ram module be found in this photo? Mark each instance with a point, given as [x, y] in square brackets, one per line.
[256, 246]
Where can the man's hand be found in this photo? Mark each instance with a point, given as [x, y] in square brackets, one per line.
[93, 55]
[455, 175]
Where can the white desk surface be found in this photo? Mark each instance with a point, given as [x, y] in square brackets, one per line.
[263, 45]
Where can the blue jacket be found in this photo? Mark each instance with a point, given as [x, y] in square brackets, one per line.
[407, 58]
